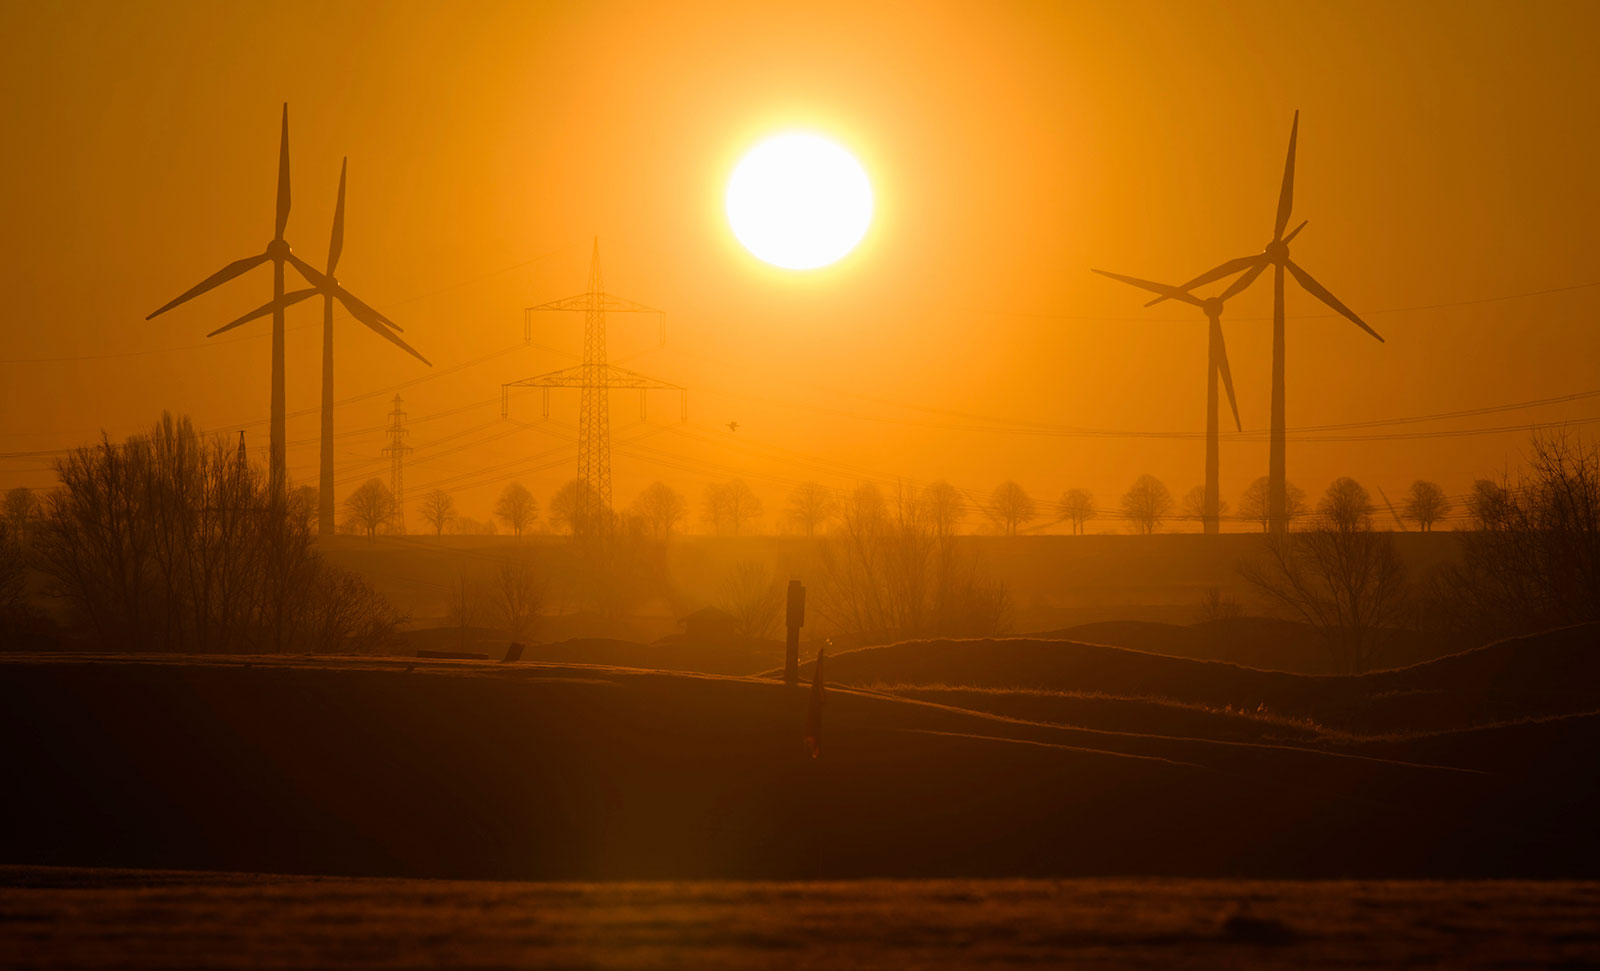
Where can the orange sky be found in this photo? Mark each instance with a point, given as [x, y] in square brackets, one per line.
[1446, 154]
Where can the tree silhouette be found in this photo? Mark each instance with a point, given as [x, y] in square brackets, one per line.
[946, 506]
[1533, 560]
[1076, 506]
[1426, 504]
[754, 597]
[20, 511]
[1146, 503]
[568, 506]
[439, 509]
[1341, 576]
[1346, 505]
[518, 596]
[516, 507]
[370, 507]
[170, 542]
[730, 506]
[1011, 507]
[1194, 505]
[661, 507]
[1254, 504]
[810, 505]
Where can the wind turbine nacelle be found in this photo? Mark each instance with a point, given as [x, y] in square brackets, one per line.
[1277, 251]
[278, 249]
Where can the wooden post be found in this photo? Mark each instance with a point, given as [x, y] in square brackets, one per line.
[795, 619]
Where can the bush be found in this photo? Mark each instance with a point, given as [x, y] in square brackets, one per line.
[171, 542]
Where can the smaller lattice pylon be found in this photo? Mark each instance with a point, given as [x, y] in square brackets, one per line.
[397, 450]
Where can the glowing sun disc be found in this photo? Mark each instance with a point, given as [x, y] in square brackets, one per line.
[799, 201]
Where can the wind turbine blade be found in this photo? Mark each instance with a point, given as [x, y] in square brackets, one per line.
[1321, 293]
[326, 284]
[1227, 372]
[1227, 269]
[366, 315]
[1245, 279]
[214, 280]
[1286, 194]
[283, 174]
[289, 300]
[336, 244]
[1161, 288]
[1296, 231]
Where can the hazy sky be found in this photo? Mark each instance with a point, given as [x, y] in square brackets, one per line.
[1447, 156]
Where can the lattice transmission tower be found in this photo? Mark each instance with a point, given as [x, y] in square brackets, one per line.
[597, 378]
[397, 450]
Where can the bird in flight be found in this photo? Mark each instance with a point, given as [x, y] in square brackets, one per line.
[733, 426]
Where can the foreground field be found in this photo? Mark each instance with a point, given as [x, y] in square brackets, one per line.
[143, 919]
[394, 767]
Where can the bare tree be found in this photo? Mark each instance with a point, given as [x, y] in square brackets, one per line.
[730, 506]
[572, 503]
[1489, 505]
[1146, 503]
[810, 505]
[1194, 505]
[462, 608]
[1346, 504]
[1076, 506]
[661, 507]
[947, 507]
[516, 507]
[169, 541]
[1010, 507]
[439, 509]
[1426, 504]
[1340, 576]
[519, 596]
[21, 513]
[889, 570]
[1255, 505]
[303, 503]
[754, 597]
[370, 507]
[1533, 560]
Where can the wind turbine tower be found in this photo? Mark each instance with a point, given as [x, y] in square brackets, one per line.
[397, 450]
[596, 377]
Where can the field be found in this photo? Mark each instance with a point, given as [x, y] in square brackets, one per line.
[1109, 762]
[155, 919]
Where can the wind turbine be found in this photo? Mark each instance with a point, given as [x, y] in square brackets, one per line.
[1216, 365]
[329, 287]
[277, 251]
[1276, 255]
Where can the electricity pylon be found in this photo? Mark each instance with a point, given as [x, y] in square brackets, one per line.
[397, 450]
[596, 377]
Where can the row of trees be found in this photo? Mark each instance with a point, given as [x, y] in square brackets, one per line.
[733, 508]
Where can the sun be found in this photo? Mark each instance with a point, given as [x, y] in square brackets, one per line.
[799, 201]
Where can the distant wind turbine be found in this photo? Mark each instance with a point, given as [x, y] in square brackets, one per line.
[1216, 366]
[329, 287]
[1276, 255]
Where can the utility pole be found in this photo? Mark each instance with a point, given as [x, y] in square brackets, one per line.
[794, 619]
[397, 450]
[596, 377]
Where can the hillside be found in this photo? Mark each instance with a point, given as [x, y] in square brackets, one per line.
[1553, 673]
[538, 771]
